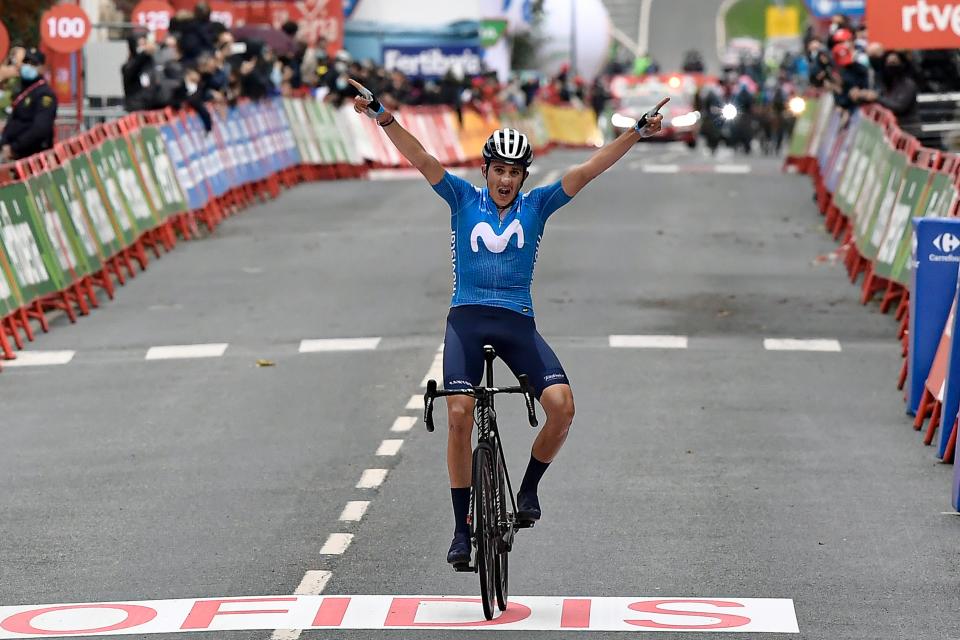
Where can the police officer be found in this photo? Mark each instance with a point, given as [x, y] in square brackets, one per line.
[31, 113]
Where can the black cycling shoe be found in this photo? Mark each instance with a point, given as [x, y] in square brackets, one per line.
[528, 507]
[459, 549]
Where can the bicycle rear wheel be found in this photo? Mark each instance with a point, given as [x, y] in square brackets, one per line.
[502, 566]
[485, 525]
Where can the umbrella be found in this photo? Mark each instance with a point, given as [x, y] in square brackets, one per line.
[277, 40]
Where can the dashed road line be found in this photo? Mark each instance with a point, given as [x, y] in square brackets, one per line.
[405, 423]
[339, 344]
[792, 344]
[336, 544]
[436, 369]
[415, 402]
[389, 447]
[550, 178]
[648, 342]
[660, 168]
[732, 168]
[39, 359]
[186, 351]
[372, 478]
[354, 511]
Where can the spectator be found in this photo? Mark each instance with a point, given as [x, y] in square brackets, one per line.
[138, 73]
[195, 35]
[10, 78]
[32, 112]
[899, 89]
[820, 62]
[851, 76]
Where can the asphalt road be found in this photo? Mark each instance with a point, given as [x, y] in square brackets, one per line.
[723, 470]
[677, 26]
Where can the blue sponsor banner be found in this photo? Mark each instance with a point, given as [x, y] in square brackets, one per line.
[828, 140]
[847, 137]
[285, 133]
[432, 62]
[936, 258]
[830, 8]
[185, 176]
[951, 393]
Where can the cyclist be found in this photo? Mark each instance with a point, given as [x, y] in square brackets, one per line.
[496, 233]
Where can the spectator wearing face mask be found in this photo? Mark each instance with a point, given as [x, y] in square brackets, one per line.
[851, 76]
[898, 89]
[33, 110]
[137, 73]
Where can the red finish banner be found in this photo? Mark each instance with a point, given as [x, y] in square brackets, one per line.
[914, 24]
[4, 41]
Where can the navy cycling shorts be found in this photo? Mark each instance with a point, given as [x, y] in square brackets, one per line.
[513, 335]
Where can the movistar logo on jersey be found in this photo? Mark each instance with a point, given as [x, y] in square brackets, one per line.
[493, 242]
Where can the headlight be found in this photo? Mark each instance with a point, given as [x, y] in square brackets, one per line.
[686, 120]
[621, 121]
[797, 105]
[729, 112]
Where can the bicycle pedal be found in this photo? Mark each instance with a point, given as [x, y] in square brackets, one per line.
[525, 524]
[463, 567]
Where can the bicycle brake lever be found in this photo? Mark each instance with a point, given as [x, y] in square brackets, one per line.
[428, 404]
[528, 399]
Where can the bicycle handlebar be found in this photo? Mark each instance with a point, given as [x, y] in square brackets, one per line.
[433, 393]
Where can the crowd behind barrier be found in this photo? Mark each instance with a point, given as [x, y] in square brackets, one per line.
[893, 205]
[87, 215]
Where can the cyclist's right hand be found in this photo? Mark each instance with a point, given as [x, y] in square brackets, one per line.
[365, 103]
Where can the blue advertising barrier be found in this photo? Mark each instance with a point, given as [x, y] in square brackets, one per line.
[840, 162]
[935, 260]
[828, 141]
[951, 394]
[188, 180]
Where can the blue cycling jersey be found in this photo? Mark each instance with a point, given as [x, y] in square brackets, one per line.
[493, 259]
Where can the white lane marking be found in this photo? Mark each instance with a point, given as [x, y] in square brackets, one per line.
[643, 614]
[405, 423]
[660, 168]
[389, 447]
[339, 344]
[354, 511]
[790, 344]
[252, 270]
[313, 583]
[649, 342]
[286, 634]
[415, 402]
[336, 544]
[183, 351]
[435, 372]
[372, 478]
[643, 27]
[550, 178]
[39, 358]
[732, 168]
[406, 173]
[721, 27]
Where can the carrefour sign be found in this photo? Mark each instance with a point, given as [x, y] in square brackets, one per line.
[432, 61]
[828, 8]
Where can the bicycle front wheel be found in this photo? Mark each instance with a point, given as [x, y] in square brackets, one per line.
[502, 566]
[485, 525]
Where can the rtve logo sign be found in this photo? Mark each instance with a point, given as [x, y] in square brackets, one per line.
[946, 242]
[914, 24]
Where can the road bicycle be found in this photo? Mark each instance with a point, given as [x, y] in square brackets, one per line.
[492, 525]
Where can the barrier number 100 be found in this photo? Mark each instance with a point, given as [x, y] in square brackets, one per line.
[66, 27]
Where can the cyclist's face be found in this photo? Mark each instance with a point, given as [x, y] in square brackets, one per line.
[503, 181]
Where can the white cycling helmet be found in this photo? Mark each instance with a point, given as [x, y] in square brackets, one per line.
[509, 146]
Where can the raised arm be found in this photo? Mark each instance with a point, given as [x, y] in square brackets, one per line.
[577, 177]
[408, 146]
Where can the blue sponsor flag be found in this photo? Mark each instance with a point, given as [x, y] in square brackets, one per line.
[830, 8]
[935, 260]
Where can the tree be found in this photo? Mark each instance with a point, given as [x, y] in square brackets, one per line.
[22, 19]
[525, 44]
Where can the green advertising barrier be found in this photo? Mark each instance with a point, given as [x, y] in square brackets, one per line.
[328, 135]
[31, 260]
[866, 205]
[64, 242]
[873, 236]
[113, 199]
[898, 230]
[10, 298]
[868, 135]
[158, 163]
[353, 152]
[89, 245]
[85, 183]
[803, 130]
[305, 136]
[133, 192]
[935, 202]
